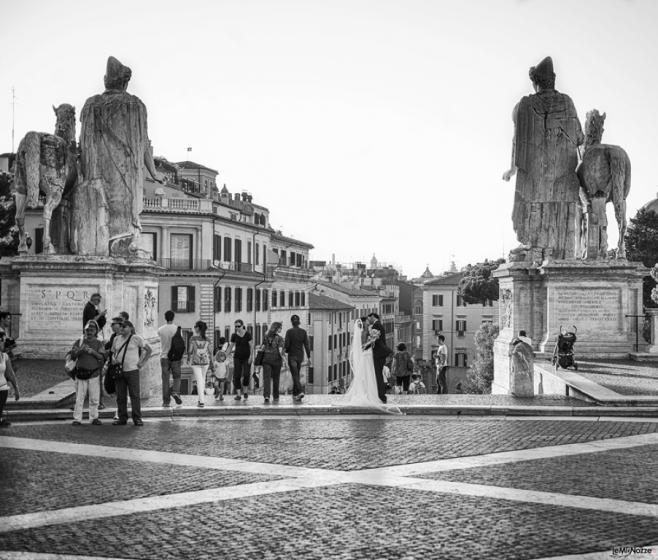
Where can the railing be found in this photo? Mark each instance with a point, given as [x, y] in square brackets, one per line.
[203, 265]
[178, 204]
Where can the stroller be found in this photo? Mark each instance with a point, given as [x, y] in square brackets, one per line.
[563, 352]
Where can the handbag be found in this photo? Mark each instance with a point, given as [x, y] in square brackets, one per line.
[116, 370]
[258, 360]
[70, 363]
[109, 383]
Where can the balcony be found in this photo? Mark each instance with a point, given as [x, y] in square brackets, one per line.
[206, 265]
[179, 205]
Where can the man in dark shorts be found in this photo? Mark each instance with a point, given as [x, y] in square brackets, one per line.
[241, 346]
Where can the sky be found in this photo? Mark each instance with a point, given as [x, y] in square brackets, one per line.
[365, 126]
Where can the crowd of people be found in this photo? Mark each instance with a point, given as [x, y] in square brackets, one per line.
[219, 370]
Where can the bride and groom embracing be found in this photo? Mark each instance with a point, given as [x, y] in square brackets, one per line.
[368, 354]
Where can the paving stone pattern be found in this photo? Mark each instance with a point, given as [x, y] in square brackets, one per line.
[629, 474]
[340, 443]
[348, 522]
[626, 377]
[39, 481]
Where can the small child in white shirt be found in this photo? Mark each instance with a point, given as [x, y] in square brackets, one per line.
[219, 375]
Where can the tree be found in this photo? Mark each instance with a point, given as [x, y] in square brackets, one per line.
[8, 229]
[482, 371]
[478, 284]
[642, 245]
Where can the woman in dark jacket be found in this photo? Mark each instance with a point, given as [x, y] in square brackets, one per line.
[402, 368]
[272, 362]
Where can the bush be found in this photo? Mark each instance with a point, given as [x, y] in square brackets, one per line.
[482, 371]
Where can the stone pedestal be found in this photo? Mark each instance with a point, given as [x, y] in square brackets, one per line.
[50, 292]
[594, 296]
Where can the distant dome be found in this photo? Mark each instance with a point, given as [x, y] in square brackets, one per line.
[427, 273]
[652, 205]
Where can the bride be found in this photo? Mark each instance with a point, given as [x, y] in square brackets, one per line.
[362, 391]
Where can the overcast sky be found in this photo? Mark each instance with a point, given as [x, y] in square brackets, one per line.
[366, 126]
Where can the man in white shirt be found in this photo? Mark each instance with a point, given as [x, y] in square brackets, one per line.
[442, 366]
[169, 367]
[126, 350]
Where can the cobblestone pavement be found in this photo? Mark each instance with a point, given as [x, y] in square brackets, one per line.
[330, 487]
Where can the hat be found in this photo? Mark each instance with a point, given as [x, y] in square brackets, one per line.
[92, 323]
[116, 320]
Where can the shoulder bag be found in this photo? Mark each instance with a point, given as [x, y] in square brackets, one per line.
[116, 370]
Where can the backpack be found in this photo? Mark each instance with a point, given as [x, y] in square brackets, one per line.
[177, 348]
[271, 354]
[201, 355]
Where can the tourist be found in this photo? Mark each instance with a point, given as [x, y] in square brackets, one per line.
[5, 330]
[223, 346]
[126, 353]
[7, 378]
[170, 367]
[296, 344]
[89, 354]
[198, 356]
[92, 312]
[403, 367]
[416, 386]
[115, 326]
[241, 346]
[220, 375]
[272, 362]
[442, 366]
[124, 315]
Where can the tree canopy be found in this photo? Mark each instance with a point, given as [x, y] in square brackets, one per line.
[8, 229]
[478, 284]
[482, 371]
[642, 246]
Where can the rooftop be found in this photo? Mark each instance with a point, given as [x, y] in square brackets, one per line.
[450, 279]
[347, 289]
[318, 301]
[194, 165]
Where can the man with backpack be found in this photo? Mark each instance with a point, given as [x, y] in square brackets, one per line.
[172, 348]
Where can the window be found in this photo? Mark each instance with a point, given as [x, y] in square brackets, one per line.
[461, 359]
[257, 253]
[218, 335]
[264, 255]
[274, 293]
[250, 299]
[148, 242]
[258, 334]
[265, 299]
[299, 260]
[304, 300]
[227, 249]
[292, 258]
[460, 301]
[460, 327]
[298, 299]
[329, 373]
[249, 252]
[291, 299]
[336, 341]
[217, 247]
[182, 299]
[250, 330]
[437, 324]
[258, 300]
[238, 300]
[227, 333]
[238, 252]
[310, 342]
[330, 340]
[227, 299]
[181, 251]
[282, 257]
[218, 299]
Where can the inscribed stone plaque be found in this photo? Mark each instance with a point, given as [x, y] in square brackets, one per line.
[59, 308]
[590, 309]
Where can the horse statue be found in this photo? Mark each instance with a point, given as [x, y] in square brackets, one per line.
[605, 175]
[45, 163]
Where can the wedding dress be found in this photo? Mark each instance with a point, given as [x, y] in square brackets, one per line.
[362, 392]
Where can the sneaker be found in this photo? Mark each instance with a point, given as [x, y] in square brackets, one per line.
[245, 396]
[177, 399]
[237, 398]
[96, 422]
[76, 423]
[200, 404]
[300, 396]
[267, 400]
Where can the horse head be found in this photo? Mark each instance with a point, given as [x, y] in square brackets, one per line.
[65, 126]
[594, 127]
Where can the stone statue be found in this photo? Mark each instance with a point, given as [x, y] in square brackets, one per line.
[115, 148]
[45, 163]
[547, 208]
[522, 365]
[605, 175]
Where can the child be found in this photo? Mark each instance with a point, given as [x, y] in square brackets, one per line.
[220, 374]
[416, 386]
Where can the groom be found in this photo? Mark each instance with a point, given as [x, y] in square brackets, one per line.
[379, 354]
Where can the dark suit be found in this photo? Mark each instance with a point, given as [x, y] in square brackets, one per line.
[89, 313]
[379, 354]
